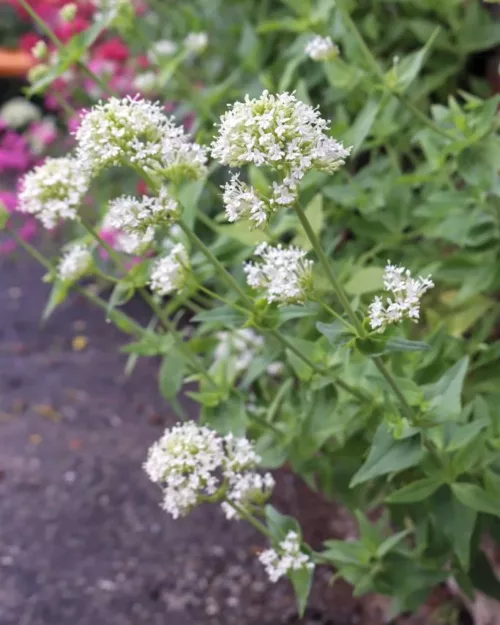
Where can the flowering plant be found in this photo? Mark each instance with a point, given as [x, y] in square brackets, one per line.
[375, 401]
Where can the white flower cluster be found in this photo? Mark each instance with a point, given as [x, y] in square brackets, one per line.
[196, 42]
[161, 49]
[75, 263]
[54, 190]
[237, 349]
[112, 9]
[407, 292]
[243, 202]
[279, 132]
[284, 274]
[136, 131]
[18, 112]
[170, 272]
[286, 558]
[321, 49]
[193, 463]
[139, 216]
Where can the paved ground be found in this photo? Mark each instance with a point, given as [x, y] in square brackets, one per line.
[82, 538]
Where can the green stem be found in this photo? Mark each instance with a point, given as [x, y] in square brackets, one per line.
[337, 287]
[221, 299]
[335, 314]
[260, 527]
[407, 409]
[164, 320]
[221, 270]
[325, 263]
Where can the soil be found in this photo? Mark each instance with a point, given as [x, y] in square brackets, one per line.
[82, 537]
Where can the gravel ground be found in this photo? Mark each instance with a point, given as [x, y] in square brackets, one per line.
[82, 538]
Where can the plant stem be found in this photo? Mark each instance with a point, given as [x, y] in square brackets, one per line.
[221, 270]
[260, 527]
[325, 263]
[221, 299]
[339, 291]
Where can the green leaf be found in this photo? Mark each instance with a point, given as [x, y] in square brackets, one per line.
[416, 491]
[445, 396]
[388, 456]
[285, 313]
[362, 124]
[227, 417]
[189, 196]
[120, 295]
[335, 333]
[223, 314]
[390, 542]
[409, 68]
[476, 498]
[341, 552]
[150, 344]
[280, 524]
[242, 233]
[464, 434]
[366, 280]
[58, 295]
[302, 581]
[404, 345]
[171, 374]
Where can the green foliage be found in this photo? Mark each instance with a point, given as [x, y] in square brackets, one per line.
[407, 417]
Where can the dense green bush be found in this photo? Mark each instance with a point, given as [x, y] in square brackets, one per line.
[404, 418]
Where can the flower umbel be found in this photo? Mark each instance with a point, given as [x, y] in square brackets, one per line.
[284, 274]
[321, 49]
[54, 190]
[286, 558]
[75, 263]
[193, 463]
[137, 132]
[407, 292]
[138, 215]
[170, 272]
[243, 202]
[279, 132]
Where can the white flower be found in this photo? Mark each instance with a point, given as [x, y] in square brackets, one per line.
[121, 130]
[180, 157]
[161, 49]
[138, 215]
[54, 190]
[136, 131]
[112, 9]
[407, 292]
[281, 133]
[75, 263]
[145, 82]
[68, 12]
[170, 272]
[39, 50]
[192, 462]
[286, 558]
[283, 274]
[196, 42]
[236, 350]
[247, 488]
[18, 112]
[321, 49]
[243, 202]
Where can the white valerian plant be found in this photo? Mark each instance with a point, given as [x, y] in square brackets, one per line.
[287, 557]
[406, 291]
[136, 132]
[283, 274]
[138, 216]
[170, 273]
[278, 132]
[75, 263]
[237, 349]
[196, 42]
[321, 49]
[193, 464]
[54, 190]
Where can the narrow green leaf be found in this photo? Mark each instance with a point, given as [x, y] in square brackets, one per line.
[171, 374]
[417, 491]
[302, 581]
[476, 498]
